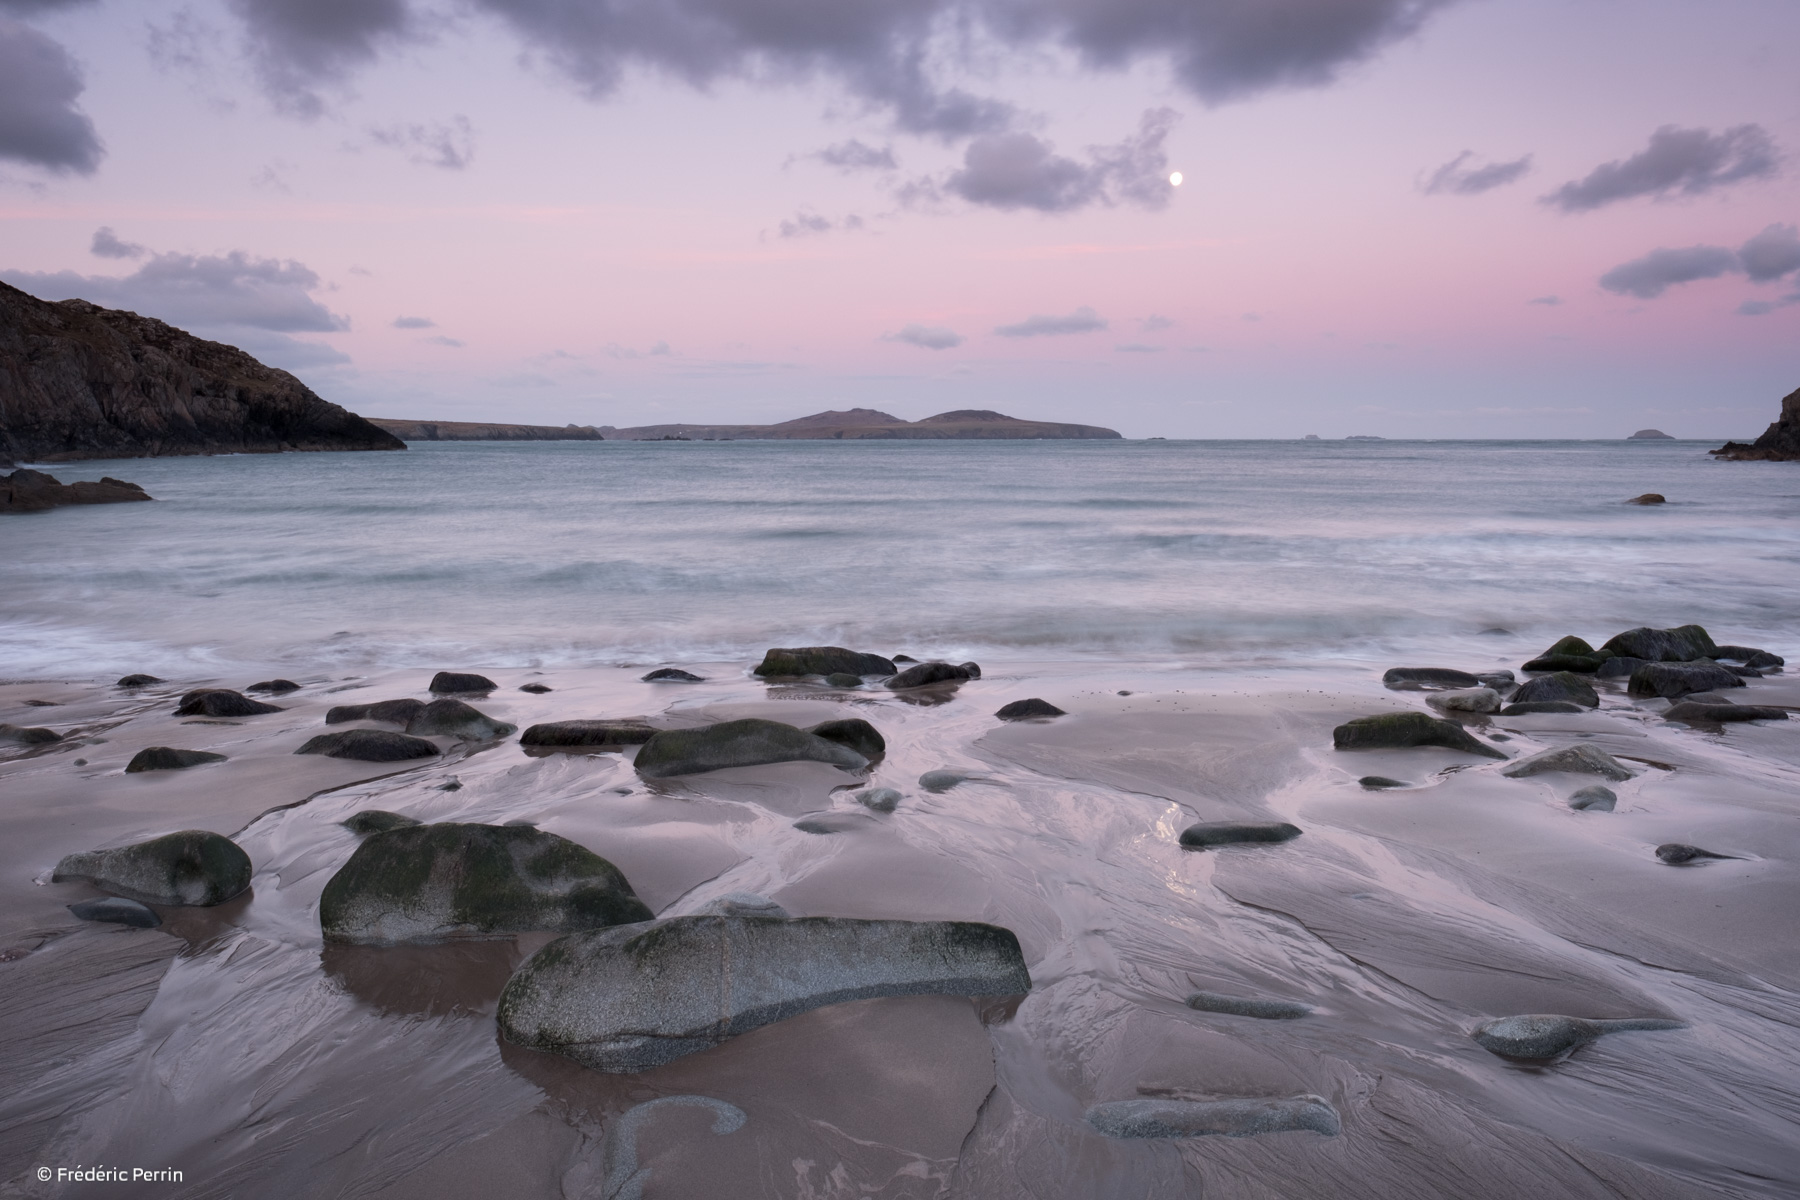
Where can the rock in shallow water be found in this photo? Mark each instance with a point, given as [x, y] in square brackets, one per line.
[117, 911]
[1594, 799]
[1559, 685]
[137, 681]
[1541, 1036]
[536, 689]
[927, 673]
[1676, 853]
[221, 702]
[369, 745]
[822, 660]
[394, 712]
[192, 868]
[1689, 711]
[1541, 706]
[1585, 759]
[426, 883]
[883, 799]
[1672, 681]
[168, 758]
[938, 782]
[1750, 656]
[746, 743]
[1415, 678]
[1473, 700]
[1248, 1006]
[855, 733]
[26, 735]
[274, 686]
[588, 733]
[451, 682]
[672, 675]
[841, 680]
[1376, 783]
[453, 718]
[1234, 833]
[375, 820]
[1025, 710]
[1389, 731]
[1682, 644]
[629, 999]
[1579, 664]
[1158, 1118]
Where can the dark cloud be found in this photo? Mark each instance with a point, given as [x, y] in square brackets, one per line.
[450, 145]
[1020, 170]
[299, 44]
[39, 123]
[1455, 178]
[1771, 254]
[1686, 162]
[929, 337]
[1762, 308]
[1652, 275]
[414, 323]
[855, 155]
[219, 291]
[106, 244]
[1082, 320]
[810, 224]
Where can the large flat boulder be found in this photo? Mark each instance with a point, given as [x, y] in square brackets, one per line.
[221, 702]
[368, 745]
[33, 491]
[632, 998]
[394, 712]
[453, 718]
[822, 660]
[1672, 681]
[1684, 643]
[429, 883]
[192, 868]
[606, 732]
[747, 743]
[1392, 731]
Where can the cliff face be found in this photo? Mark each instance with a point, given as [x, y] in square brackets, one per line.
[481, 431]
[1779, 443]
[80, 381]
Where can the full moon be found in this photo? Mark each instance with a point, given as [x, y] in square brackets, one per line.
[1175, 179]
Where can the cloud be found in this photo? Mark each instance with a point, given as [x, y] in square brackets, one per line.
[39, 122]
[413, 322]
[855, 155]
[1137, 348]
[450, 145]
[440, 340]
[1686, 162]
[106, 244]
[1771, 254]
[280, 350]
[1762, 308]
[1152, 323]
[810, 224]
[1011, 171]
[298, 44]
[1455, 179]
[201, 291]
[929, 337]
[1650, 276]
[1546, 301]
[1082, 320]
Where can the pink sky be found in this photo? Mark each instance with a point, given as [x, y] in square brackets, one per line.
[621, 259]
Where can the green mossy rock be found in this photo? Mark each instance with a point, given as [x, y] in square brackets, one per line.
[1390, 731]
[193, 868]
[428, 883]
[1569, 645]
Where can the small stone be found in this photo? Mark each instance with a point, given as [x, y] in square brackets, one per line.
[118, 911]
[1207, 834]
[1376, 783]
[369, 745]
[167, 758]
[1025, 710]
[1584, 759]
[1594, 799]
[1243, 1006]
[536, 689]
[375, 820]
[883, 799]
[1159, 1118]
[1676, 853]
[274, 686]
[451, 682]
[1500, 681]
[837, 822]
[973, 669]
[221, 702]
[137, 681]
[673, 675]
[938, 782]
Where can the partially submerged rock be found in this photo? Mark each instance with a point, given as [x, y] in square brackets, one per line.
[1568, 644]
[1559, 685]
[624, 1000]
[221, 702]
[842, 680]
[1672, 681]
[1648, 497]
[746, 743]
[1583, 759]
[1676, 853]
[168, 758]
[1232, 833]
[28, 735]
[938, 782]
[1720, 713]
[453, 718]
[673, 675]
[369, 745]
[1377, 783]
[1749, 656]
[452, 682]
[1579, 664]
[393, 712]
[137, 681]
[1262, 1008]
[1685, 643]
[588, 733]
[117, 910]
[375, 820]
[536, 689]
[274, 686]
[822, 660]
[192, 868]
[741, 904]
[1151, 1117]
[1620, 666]
[1541, 706]
[1539, 1037]
[1416, 678]
[1025, 710]
[1594, 799]
[834, 822]
[1472, 700]
[26, 491]
[427, 883]
[1388, 731]
[855, 733]
[927, 673]
[883, 799]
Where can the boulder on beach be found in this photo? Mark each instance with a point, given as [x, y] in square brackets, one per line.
[536, 689]
[1379, 783]
[855, 733]
[1685, 643]
[116, 910]
[27, 491]
[1558, 685]
[1500, 681]
[1648, 498]
[673, 675]
[1677, 853]
[740, 904]
[1569, 644]
[447, 683]
[1538, 1037]
[1580, 664]
[168, 758]
[938, 782]
[1672, 681]
[192, 868]
[1206, 834]
[822, 660]
[453, 718]
[1394, 731]
[1597, 798]
[927, 673]
[1541, 706]
[221, 702]
[834, 822]
[626, 1000]
[1248, 1006]
[1408, 679]
[1750, 656]
[974, 669]
[604, 732]
[1025, 710]
[881, 799]
[1470, 700]
[1583, 759]
[137, 681]
[746, 743]
[274, 686]
[376, 820]
[369, 745]
[1689, 712]
[393, 712]
[27, 735]
[428, 883]
[1158, 1117]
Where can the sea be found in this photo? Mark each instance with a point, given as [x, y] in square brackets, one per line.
[1231, 554]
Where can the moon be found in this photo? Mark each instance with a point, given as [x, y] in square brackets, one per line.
[1175, 179]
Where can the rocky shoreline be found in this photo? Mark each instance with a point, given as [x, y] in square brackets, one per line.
[1780, 442]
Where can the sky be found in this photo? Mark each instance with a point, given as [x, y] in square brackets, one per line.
[1424, 218]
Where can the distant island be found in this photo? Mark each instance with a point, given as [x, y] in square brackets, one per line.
[483, 431]
[1780, 442]
[1650, 435]
[867, 424]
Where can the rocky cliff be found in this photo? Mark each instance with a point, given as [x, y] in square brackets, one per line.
[1779, 443]
[859, 424]
[81, 381]
[482, 431]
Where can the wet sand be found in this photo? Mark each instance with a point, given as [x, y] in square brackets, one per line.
[232, 1045]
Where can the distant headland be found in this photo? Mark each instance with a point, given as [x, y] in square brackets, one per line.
[855, 424]
[1780, 442]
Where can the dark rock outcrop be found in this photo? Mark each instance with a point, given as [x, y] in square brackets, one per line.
[1248, 1006]
[1619, 666]
[1673, 680]
[1582, 759]
[1381, 783]
[1678, 853]
[427, 883]
[1416, 678]
[587, 733]
[855, 733]
[1750, 656]
[137, 681]
[1780, 442]
[393, 712]
[482, 431]
[27, 735]
[1541, 706]
[168, 758]
[369, 745]
[1569, 644]
[1025, 710]
[1558, 685]
[1390, 731]
[1717, 714]
[1206, 834]
[1684, 643]
[274, 687]
[821, 660]
[536, 689]
[192, 868]
[221, 702]
[117, 910]
[26, 491]
[842, 680]
[81, 381]
[453, 718]
[1538, 1037]
[450, 683]
[1649, 498]
[1158, 1117]
[673, 675]
[1596, 798]
[376, 820]
[746, 743]
[1580, 664]
[630, 999]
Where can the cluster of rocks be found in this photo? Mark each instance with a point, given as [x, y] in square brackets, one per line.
[25, 491]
